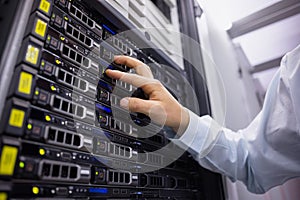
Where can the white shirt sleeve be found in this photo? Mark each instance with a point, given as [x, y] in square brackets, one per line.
[267, 152]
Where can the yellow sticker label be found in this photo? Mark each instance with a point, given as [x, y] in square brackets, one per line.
[8, 160]
[32, 54]
[25, 83]
[45, 6]
[3, 196]
[40, 28]
[16, 118]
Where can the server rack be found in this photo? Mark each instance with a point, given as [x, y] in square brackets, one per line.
[59, 138]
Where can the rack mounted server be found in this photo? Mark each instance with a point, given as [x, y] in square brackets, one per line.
[63, 132]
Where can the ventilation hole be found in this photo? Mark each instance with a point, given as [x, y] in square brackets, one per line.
[69, 29]
[60, 136]
[83, 85]
[75, 33]
[127, 178]
[56, 103]
[81, 37]
[73, 172]
[110, 176]
[122, 177]
[61, 75]
[84, 18]
[80, 111]
[51, 134]
[86, 63]
[76, 82]
[55, 170]
[64, 171]
[116, 177]
[78, 14]
[90, 22]
[46, 169]
[65, 106]
[72, 54]
[69, 109]
[79, 58]
[88, 42]
[76, 140]
[69, 79]
[68, 138]
[66, 50]
[72, 10]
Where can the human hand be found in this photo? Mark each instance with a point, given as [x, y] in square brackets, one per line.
[161, 107]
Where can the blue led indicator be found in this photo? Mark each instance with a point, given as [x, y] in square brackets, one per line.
[98, 190]
[107, 28]
[105, 85]
[104, 108]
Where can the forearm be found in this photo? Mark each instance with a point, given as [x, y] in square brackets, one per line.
[219, 149]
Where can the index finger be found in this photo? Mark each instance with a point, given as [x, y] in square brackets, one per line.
[140, 68]
[147, 84]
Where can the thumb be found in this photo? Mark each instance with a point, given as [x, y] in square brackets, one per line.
[136, 105]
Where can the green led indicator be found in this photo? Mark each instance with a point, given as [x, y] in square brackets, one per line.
[29, 126]
[21, 165]
[36, 92]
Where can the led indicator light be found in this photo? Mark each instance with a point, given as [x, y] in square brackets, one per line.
[57, 61]
[21, 165]
[29, 126]
[42, 152]
[53, 88]
[98, 190]
[47, 118]
[107, 28]
[35, 190]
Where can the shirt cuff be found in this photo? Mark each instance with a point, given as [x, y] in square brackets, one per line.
[200, 135]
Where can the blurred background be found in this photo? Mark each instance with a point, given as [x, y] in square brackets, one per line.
[247, 40]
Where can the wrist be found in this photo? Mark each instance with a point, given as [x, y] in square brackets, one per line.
[183, 122]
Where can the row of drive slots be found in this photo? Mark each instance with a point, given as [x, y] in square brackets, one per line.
[50, 128]
[87, 48]
[72, 192]
[48, 163]
[104, 111]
